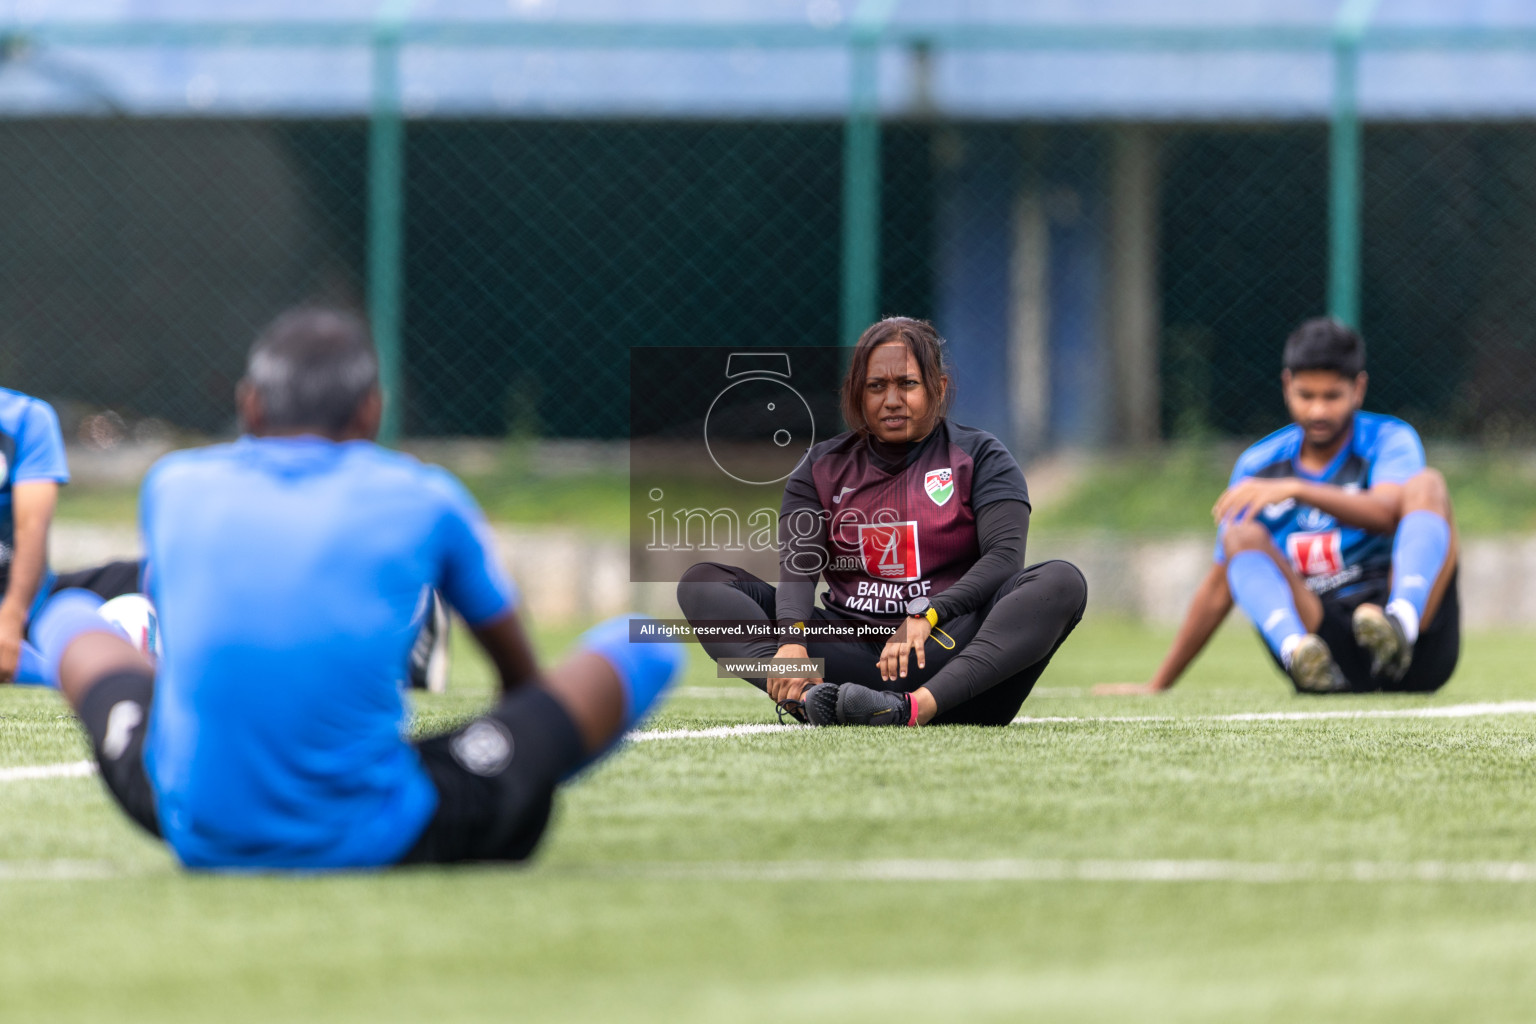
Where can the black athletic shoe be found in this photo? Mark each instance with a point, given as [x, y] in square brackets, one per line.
[1313, 669]
[1380, 633]
[427, 668]
[820, 704]
[853, 704]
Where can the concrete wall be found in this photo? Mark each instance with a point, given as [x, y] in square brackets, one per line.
[566, 576]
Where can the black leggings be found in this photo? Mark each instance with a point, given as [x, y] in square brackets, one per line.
[1001, 648]
[113, 579]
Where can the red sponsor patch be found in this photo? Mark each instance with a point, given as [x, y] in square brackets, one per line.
[890, 550]
[1316, 554]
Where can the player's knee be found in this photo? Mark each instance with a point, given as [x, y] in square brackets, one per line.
[1427, 489]
[1245, 536]
[695, 582]
[1063, 583]
[707, 572]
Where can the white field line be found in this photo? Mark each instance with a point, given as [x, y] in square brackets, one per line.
[1011, 870]
[1512, 707]
[1508, 707]
[56, 870]
[717, 732]
[65, 770]
[995, 870]
[77, 769]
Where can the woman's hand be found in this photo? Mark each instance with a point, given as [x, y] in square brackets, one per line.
[908, 638]
[792, 687]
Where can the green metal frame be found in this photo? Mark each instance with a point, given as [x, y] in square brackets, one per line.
[1344, 164]
[860, 291]
[386, 213]
[864, 36]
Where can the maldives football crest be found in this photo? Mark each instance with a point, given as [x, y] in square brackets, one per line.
[940, 485]
[889, 551]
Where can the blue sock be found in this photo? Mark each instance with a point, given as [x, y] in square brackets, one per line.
[1418, 554]
[1261, 591]
[67, 614]
[645, 669]
[31, 669]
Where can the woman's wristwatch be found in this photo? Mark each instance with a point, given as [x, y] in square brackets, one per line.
[922, 608]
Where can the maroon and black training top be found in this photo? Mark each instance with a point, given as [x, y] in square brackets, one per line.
[884, 524]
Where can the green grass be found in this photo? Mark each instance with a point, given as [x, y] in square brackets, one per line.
[1167, 492]
[99, 503]
[1494, 492]
[517, 493]
[631, 912]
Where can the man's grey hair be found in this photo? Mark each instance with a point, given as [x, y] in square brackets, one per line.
[312, 368]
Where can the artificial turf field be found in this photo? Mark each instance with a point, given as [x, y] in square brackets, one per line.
[1144, 860]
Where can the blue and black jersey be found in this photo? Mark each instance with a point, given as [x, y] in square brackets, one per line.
[31, 449]
[1332, 557]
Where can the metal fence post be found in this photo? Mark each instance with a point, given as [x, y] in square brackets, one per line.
[860, 293]
[386, 212]
[1344, 164]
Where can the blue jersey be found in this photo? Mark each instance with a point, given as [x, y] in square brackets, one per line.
[289, 577]
[1329, 555]
[31, 448]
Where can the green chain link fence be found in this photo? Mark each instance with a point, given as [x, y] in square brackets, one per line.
[510, 265]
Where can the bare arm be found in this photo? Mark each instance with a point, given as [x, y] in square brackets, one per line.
[32, 504]
[1212, 602]
[506, 644]
[1376, 510]
[584, 684]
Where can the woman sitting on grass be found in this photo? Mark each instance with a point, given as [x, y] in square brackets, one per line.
[918, 526]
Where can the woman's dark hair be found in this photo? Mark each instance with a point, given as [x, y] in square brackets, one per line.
[926, 346]
[1324, 343]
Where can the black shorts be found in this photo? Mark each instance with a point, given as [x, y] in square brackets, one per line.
[1434, 654]
[495, 777]
[496, 780]
[113, 579]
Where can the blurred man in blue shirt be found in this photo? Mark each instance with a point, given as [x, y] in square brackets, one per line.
[290, 570]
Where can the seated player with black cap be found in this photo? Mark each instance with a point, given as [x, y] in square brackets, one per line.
[1334, 538]
[918, 525]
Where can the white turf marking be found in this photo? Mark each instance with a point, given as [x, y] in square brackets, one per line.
[717, 732]
[80, 769]
[56, 870]
[1511, 707]
[1085, 871]
[997, 870]
[66, 770]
